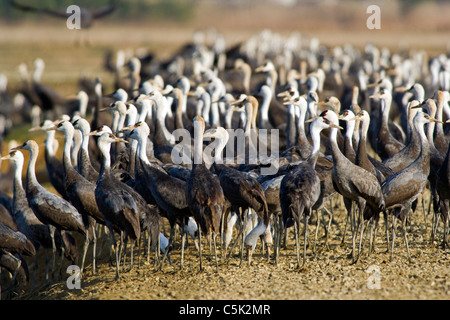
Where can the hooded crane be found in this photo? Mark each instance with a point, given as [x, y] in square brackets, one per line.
[80, 192]
[114, 199]
[28, 224]
[159, 188]
[402, 189]
[204, 194]
[48, 207]
[300, 188]
[353, 182]
[242, 190]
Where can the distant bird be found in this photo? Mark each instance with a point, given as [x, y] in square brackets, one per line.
[88, 16]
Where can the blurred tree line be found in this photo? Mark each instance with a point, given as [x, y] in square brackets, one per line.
[132, 10]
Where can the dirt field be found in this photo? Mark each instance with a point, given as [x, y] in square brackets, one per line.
[329, 274]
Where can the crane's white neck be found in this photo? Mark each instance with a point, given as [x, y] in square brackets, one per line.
[264, 108]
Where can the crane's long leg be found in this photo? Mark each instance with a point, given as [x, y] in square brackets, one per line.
[124, 237]
[52, 237]
[317, 231]
[360, 241]
[435, 226]
[85, 248]
[405, 237]
[373, 233]
[139, 247]
[200, 247]
[94, 250]
[157, 251]
[114, 245]
[222, 227]
[215, 250]
[244, 227]
[393, 235]
[297, 245]
[328, 228]
[349, 207]
[280, 235]
[148, 246]
[183, 241]
[131, 253]
[275, 239]
[386, 229]
[305, 219]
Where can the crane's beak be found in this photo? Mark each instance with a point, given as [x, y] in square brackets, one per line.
[312, 119]
[107, 108]
[237, 102]
[117, 139]
[287, 101]
[93, 133]
[332, 125]
[17, 148]
[435, 120]
[128, 128]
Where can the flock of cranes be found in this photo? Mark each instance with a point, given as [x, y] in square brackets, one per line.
[365, 125]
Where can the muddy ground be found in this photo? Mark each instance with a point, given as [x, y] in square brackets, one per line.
[329, 275]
